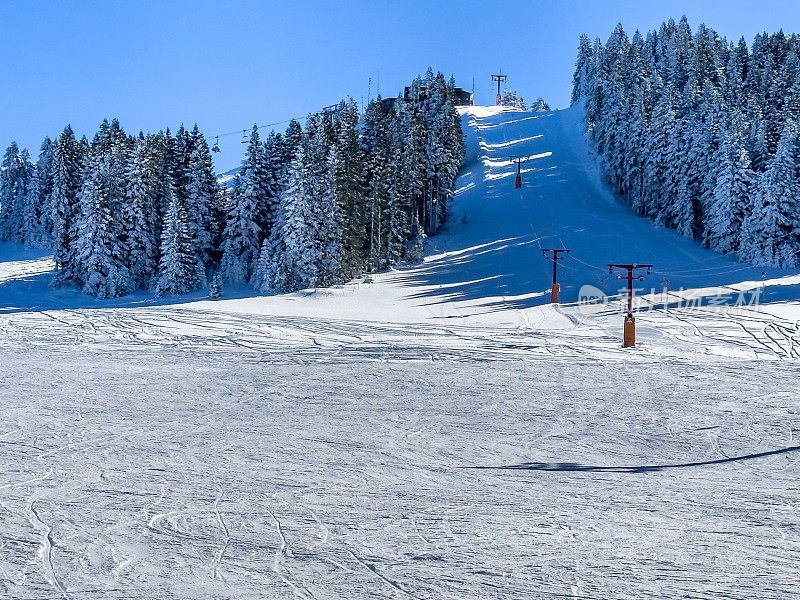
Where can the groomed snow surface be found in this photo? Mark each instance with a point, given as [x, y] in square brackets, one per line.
[439, 433]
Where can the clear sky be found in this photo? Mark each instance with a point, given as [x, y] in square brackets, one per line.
[227, 64]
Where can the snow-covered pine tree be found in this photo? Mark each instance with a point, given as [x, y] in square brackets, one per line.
[28, 205]
[183, 147]
[685, 211]
[64, 203]
[455, 150]
[101, 270]
[101, 252]
[278, 163]
[177, 270]
[400, 206]
[285, 258]
[731, 196]
[540, 105]
[332, 247]
[375, 137]
[37, 220]
[168, 157]
[292, 138]
[439, 166]
[582, 78]
[306, 248]
[271, 273]
[771, 235]
[347, 162]
[413, 161]
[203, 202]
[16, 175]
[660, 146]
[511, 99]
[250, 213]
[215, 287]
[141, 211]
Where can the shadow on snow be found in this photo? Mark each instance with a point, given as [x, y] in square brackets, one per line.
[579, 468]
[28, 288]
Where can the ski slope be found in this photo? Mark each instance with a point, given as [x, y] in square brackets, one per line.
[439, 431]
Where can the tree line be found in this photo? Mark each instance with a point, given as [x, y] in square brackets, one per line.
[700, 134]
[313, 206]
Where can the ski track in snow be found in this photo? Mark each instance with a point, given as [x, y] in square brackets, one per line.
[441, 433]
[46, 549]
[224, 528]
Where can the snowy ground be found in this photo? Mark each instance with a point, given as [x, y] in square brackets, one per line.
[441, 432]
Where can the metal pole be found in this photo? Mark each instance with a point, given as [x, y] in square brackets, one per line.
[555, 258]
[499, 78]
[518, 178]
[630, 292]
[629, 328]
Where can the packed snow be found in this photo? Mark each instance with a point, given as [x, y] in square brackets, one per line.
[436, 431]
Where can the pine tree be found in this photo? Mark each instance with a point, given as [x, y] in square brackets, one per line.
[375, 137]
[215, 287]
[101, 268]
[141, 212]
[177, 271]
[306, 250]
[661, 149]
[731, 194]
[16, 175]
[250, 214]
[400, 205]
[287, 262]
[65, 205]
[203, 202]
[540, 105]
[511, 99]
[347, 162]
[37, 221]
[582, 79]
[771, 230]
[291, 142]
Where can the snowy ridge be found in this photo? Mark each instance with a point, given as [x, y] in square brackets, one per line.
[227, 178]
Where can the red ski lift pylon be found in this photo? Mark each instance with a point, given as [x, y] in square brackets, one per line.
[629, 326]
[499, 78]
[518, 180]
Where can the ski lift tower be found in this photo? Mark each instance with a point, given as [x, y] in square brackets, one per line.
[553, 254]
[499, 78]
[519, 160]
[629, 329]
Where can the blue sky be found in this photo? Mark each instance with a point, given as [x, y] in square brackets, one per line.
[228, 64]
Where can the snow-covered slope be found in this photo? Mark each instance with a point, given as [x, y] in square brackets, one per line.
[227, 178]
[440, 433]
